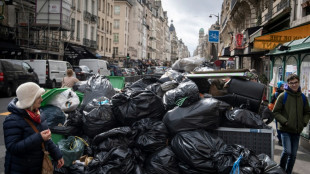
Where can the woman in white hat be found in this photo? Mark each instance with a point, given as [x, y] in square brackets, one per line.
[24, 153]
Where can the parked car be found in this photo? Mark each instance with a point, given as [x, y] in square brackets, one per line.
[159, 70]
[82, 72]
[50, 72]
[98, 66]
[13, 73]
[117, 71]
[132, 72]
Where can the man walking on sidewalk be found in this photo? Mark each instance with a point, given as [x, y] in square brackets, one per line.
[292, 113]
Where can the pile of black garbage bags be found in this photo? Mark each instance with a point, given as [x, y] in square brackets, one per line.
[156, 126]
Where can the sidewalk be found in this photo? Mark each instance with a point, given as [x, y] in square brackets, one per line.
[302, 164]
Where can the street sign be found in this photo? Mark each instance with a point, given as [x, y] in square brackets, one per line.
[214, 36]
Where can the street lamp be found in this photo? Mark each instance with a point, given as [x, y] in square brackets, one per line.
[218, 18]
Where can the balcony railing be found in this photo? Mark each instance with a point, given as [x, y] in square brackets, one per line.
[86, 42]
[87, 16]
[94, 18]
[283, 4]
[93, 44]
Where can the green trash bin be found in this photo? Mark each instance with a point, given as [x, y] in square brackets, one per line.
[117, 81]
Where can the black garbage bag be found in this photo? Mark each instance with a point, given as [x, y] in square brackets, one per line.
[151, 135]
[204, 114]
[270, 166]
[62, 170]
[197, 149]
[141, 84]
[53, 114]
[186, 169]
[98, 117]
[249, 162]
[163, 162]
[138, 170]
[75, 118]
[77, 168]
[184, 95]
[66, 130]
[245, 118]
[172, 75]
[121, 136]
[156, 89]
[80, 86]
[99, 86]
[141, 104]
[119, 160]
[203, 84]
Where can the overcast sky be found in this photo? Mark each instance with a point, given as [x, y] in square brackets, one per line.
[189, 16]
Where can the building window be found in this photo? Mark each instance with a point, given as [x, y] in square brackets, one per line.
[110, 28]
[304, 76]
[98, 26]
[92, 33]
[103, 6]
[108, 9]
[110, 46]
[115, 37]
[102, 23]
[117, 10]
[102, 40]
[106, 44]
[107, 26]
[99, 5]
[93, 7]
[111, 11]
[115, 50]
[86, 5]
[116, 24]
[291, 66]
[72, 28]
[79, 5]
[126, 12]
[78, 30]
[73, 4]
[85, 31]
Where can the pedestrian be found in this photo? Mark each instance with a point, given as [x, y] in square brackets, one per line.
[69, 80]
[279, 90]
[24, 147]
[292, 113]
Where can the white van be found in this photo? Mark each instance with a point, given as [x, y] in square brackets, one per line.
[50, 72]
[98, 66]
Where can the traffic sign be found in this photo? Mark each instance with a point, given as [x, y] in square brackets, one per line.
[214, 36]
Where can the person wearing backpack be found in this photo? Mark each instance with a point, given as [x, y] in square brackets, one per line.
[280, 89]
[292, 113]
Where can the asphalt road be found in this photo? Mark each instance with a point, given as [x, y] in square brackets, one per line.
[3, 111]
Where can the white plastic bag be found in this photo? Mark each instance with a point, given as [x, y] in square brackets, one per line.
[67, 101]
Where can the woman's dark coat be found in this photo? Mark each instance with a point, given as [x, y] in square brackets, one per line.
[24, 153]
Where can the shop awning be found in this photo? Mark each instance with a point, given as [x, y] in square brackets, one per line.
[77, 52]
[270, 41]
[292, 46]
[10, 49]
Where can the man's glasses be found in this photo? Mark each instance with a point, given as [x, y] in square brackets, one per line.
[293, 83]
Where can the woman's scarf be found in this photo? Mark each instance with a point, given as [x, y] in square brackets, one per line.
[35, 116]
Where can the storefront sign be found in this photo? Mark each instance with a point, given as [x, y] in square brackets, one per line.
[270, 41]
[239, 40]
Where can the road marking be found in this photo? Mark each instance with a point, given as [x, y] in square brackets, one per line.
[5, 113]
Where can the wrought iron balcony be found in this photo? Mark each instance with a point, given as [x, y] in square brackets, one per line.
[86, 42]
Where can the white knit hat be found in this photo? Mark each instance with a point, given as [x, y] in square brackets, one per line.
[27, 93]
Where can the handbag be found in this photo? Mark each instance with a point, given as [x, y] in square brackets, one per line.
[47, 166]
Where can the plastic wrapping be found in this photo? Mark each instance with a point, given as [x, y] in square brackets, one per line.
[71, 148]
[187, 64]
[98, 117]
[67, 101]
[172, 75]
[80, 86]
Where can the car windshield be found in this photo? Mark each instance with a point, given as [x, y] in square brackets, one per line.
[77, 69]
[85, 68]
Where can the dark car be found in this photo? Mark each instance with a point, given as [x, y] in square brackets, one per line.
[117, 71]
[14, 73]
[82, 72]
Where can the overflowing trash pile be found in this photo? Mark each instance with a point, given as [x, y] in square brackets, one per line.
[156, 126]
